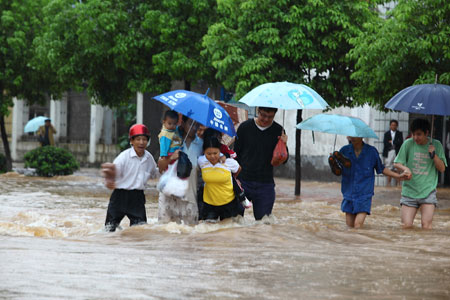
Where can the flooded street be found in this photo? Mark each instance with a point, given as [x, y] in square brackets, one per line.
[52, 246]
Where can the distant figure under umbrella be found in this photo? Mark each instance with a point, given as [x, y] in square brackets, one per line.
[45, 134]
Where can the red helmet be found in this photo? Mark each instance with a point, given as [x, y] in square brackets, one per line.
[139, 129]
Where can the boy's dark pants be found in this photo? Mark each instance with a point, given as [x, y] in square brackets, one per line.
[130, 203]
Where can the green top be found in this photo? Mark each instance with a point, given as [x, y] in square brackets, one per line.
[424, 173]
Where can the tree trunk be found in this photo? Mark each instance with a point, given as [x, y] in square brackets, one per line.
[187, 85]
[5, 144]
[298, 159]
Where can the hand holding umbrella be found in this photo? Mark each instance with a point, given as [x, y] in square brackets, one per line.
[199, 108]
[338, 124]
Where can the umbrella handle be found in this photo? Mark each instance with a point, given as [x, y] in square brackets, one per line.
[334, 146]
[431, 137]
[192, 124]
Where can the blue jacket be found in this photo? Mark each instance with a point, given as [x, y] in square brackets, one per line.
[359, 180]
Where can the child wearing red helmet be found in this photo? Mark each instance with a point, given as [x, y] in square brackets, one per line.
[127, 175]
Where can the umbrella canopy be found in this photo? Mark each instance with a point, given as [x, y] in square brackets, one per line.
[34, 124]
[338, 124]
[199, 108]
[284, 95]
[427, 99]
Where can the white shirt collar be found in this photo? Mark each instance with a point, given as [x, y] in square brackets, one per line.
[260, 127]
[134, 154]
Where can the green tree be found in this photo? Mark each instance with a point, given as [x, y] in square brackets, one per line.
[410, 46]
[179, 26]
[114, 49]
[259, 41]
[105, 47]
[20, 74]
[255, 42]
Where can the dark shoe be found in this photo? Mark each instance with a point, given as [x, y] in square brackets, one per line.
[335, 168]
[211, 217]
[344, 160]
[212, 221]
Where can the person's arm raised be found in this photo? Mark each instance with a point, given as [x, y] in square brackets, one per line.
[165, 161]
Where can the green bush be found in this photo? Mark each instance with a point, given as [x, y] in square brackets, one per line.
[51, 161]
[2, 163]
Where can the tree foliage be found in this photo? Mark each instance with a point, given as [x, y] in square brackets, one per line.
[258, 41]
[116, 48]
[21, 75]
[103, 46]
[410, 46]
[179, 26]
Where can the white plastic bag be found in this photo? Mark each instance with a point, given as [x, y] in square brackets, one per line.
[170, 184]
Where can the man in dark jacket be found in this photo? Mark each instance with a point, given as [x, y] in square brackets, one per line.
[393, 140]
[255, 142]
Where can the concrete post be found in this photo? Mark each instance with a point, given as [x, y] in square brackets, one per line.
[96, 129]
[140, 108]
[17, 126]
[92, 134]
[55, 113]
[62, 132]
[108, 118]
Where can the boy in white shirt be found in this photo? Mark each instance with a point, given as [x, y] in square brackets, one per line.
[127, 175]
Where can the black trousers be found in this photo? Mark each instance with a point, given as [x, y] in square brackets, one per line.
[222, 212]
[130, 203]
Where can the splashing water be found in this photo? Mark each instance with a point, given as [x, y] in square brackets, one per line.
[53, 246]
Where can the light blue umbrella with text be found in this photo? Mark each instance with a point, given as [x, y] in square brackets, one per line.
[284, 95]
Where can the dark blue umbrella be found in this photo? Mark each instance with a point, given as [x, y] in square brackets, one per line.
[427, 99]
[199, 108]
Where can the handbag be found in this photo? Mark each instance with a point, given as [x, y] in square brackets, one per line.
[184, 166]
[279, 153]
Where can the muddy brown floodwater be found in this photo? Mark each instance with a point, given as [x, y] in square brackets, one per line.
[52, 246]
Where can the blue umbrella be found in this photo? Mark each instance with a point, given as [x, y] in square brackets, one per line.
[199, 108]
[427, 99]
[338, 124]
[284, 95]
[34, 124]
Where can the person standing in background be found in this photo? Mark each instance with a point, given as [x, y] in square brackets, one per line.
[45, 134]
[392, 141]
